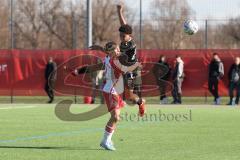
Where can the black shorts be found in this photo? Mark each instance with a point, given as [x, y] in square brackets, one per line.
[133, 79]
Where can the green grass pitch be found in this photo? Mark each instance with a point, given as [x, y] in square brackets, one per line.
[33, 132]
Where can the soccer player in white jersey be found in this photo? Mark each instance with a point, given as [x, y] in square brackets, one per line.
[113, 89]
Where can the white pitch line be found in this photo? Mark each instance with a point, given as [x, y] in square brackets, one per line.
[18, 107]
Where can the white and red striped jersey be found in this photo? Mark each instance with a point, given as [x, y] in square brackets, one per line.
[113, 75]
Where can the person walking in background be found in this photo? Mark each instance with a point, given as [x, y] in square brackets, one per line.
[234, 81]
[178, 77]
[216, 72]
[162, 73]
[50, 77]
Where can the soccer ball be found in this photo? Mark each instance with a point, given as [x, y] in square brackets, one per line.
[190, 27]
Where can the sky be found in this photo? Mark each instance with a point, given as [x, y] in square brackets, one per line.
[214, 9]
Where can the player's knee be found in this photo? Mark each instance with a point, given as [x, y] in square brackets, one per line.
[116, 118]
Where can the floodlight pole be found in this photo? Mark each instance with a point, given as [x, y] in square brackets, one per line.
[206, 47]
[74, 40]
[74, 29]
[12, 43]
[140, 26]
[11, 24]
[206, 34]
[89, 23]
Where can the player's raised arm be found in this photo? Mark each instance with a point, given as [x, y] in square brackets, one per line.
[120, 15]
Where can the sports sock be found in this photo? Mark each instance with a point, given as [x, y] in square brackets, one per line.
[107, 137]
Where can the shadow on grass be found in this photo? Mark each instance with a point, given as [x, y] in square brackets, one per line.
[48, 148]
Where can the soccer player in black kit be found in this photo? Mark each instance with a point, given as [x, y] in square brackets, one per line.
[132, 80]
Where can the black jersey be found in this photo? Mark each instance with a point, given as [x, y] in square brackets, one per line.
[50, 71]
[129, 51]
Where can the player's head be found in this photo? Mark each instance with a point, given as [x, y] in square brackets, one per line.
[50, 59]
[162, 58]
[112, 49]
[125, 32]
[237, 60]
[178, 58]
[216, 56]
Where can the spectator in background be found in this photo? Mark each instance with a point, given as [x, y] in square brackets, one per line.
[50, 77]
[162, 73]
[178, 77]
[234, 81]
[216, 72]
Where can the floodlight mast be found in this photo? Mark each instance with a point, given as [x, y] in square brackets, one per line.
[89, 23]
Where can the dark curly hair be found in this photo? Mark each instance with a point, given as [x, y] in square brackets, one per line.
[127, 29]
[110, 46]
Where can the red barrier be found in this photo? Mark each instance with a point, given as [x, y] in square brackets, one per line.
[22, 72]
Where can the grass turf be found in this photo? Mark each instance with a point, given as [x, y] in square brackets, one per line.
[32, 131]
[79, 99]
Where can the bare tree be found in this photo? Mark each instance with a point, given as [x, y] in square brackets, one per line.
[46, 24]
[4, 30]
[230, 36]
[59, 24]
[105, 21]
[63, 22]
[27, 24]
[165, 28]
[233, 28]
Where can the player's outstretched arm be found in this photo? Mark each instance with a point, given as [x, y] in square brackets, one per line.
[120, 15]
[89, 69]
